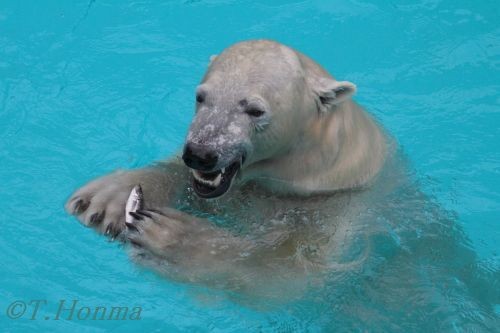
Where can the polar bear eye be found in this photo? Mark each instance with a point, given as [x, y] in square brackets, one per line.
[254, 112]
[200, 97]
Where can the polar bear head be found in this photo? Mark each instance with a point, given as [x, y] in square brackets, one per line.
[254, 104]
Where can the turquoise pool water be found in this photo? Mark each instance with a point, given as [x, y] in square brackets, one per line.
[90, 86]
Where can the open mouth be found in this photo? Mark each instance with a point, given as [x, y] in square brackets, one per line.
[216, 183]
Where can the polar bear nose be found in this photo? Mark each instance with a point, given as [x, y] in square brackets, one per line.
[199, 157]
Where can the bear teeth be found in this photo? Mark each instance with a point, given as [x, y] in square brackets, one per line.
[213, 183]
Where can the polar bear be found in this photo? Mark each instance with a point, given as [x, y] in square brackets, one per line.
[265, 181]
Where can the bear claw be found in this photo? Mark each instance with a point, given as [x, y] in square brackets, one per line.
[80, 206]
[136, 216]
[96, 219]
[112, 231]
[144, 213]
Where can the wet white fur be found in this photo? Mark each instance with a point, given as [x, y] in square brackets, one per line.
[312, 139]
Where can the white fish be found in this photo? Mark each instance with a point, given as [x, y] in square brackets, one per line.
[135, 202]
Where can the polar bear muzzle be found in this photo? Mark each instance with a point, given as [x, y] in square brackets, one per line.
[209, 182]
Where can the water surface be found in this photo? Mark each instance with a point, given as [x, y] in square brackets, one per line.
[90, 86]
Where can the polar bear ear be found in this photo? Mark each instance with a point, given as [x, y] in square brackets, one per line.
[331, 93]
[212, 58]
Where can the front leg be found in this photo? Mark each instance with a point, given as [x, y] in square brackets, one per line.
[189, 249]
[100, 204]
[182, 246]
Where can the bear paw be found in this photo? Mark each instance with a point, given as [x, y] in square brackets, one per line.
[101, 203]
[170, 235]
